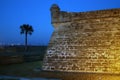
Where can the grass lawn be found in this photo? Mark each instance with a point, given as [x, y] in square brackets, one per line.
[23, 69]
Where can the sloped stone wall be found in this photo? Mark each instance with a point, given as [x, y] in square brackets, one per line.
[84, 42]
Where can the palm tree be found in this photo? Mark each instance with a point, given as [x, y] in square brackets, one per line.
[26, 29]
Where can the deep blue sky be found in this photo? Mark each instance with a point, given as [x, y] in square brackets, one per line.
[14, 13]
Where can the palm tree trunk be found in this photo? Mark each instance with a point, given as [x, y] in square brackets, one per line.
[26, 48]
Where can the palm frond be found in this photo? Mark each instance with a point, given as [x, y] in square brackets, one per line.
[26, 28]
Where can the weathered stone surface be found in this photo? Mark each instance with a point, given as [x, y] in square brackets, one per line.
[84, 42]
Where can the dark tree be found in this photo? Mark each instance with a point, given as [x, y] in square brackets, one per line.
[26, 29]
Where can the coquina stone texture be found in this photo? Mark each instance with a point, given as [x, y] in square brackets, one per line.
[84, 41]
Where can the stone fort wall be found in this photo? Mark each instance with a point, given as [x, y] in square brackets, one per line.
[84, 41]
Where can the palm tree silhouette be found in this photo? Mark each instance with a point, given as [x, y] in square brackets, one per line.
[26, 29]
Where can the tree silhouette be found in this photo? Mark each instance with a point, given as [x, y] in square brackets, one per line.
[26, 29]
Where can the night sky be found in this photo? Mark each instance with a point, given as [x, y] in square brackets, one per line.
[14, 13]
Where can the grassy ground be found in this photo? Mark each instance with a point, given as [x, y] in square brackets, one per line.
[30, 62]
[23, 69]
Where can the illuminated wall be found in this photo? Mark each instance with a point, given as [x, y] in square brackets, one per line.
[84, 41]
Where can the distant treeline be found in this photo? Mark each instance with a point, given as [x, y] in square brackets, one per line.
[21, 48]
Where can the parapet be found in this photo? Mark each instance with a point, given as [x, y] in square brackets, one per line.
[59, 16]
